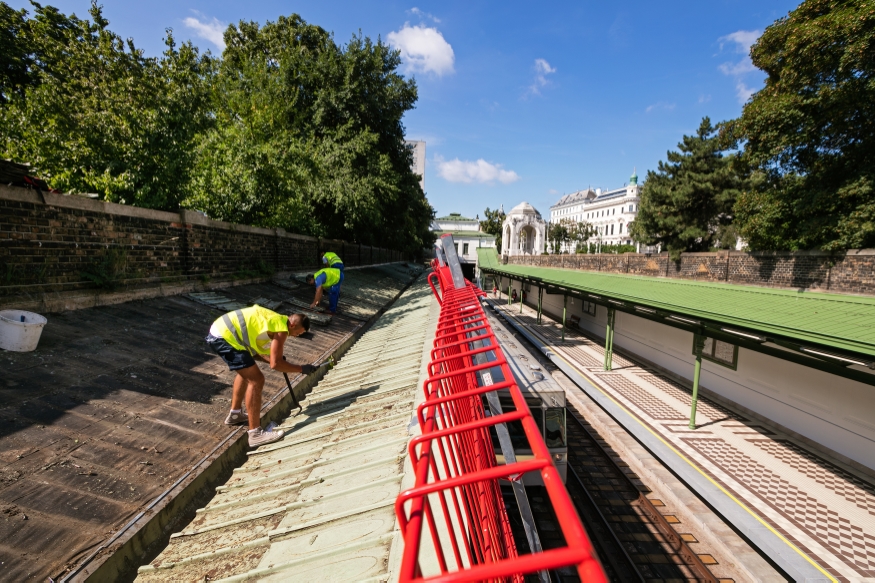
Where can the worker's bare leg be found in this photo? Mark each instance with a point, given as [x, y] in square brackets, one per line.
[254, 385]
[239, 392]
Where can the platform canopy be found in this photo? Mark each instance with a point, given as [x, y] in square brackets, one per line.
[840, 323]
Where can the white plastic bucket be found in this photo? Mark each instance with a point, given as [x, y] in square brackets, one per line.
[20, 330]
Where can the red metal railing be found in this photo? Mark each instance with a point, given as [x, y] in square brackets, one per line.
[456, 501]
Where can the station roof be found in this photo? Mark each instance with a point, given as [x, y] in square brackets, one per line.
[323, 498]
[120, 402]
[468, 234]
[839, 321]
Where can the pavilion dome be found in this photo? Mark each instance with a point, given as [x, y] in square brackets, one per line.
[524, 208]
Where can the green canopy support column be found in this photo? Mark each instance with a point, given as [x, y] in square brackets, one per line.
[509, 285]
[521, 298]
[564, 310]
[540, 295]
[698, 347]
[609, 339]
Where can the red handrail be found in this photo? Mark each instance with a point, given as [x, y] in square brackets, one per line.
[456, 495]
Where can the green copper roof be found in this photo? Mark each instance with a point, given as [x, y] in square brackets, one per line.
[454, 217]
[466, 234]
[843, 322]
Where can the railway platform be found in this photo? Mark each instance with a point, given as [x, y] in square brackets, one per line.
[811, 515]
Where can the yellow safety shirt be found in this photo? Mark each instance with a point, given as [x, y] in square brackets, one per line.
[332, 258]
[332, 276]
[247, 329]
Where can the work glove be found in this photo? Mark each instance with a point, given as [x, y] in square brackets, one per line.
[308, 368]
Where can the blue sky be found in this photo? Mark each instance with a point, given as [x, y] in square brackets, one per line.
[521, 100]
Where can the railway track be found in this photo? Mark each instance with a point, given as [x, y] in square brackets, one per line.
[633, 539]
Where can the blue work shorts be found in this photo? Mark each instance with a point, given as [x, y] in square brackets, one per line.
[235, 359]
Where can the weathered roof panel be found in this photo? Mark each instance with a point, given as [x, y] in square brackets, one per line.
[323, 498]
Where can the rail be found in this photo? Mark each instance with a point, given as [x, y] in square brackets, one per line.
[456, 500]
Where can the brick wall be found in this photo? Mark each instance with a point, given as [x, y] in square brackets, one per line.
[851, 272]
[48, 242]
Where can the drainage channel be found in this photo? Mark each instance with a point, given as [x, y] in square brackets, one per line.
[634, 540]
[140, 539]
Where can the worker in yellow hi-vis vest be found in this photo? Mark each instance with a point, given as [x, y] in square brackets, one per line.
[332, 260]
[240, 337]
[327, 279]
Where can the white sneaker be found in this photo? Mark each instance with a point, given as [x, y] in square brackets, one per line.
[259, 436]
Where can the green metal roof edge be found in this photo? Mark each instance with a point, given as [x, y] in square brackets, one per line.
[454, 218]
[473, 234]
[823, 339]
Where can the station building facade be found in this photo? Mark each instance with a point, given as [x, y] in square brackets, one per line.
[467, 236]
[609, 211]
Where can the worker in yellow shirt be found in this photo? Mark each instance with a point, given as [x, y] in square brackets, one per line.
[332, 260]
[328, 279]
[240, 337]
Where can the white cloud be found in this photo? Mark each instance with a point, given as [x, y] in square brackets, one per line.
[212, 31]
[741, 40]
[423, 49]
[704, 98]
[660, 105]
[542, 69]
[743, 92]
[468, 172]
[422, 14]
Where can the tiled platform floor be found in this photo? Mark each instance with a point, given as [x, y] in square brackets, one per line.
[821, 508]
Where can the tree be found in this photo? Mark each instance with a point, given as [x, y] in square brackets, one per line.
[689, 200]
[92, 114]
[491, 224]
[810, 132]
[579, 233]
[308, 137]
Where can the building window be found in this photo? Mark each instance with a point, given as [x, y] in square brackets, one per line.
[723, 353]
[589, 308]
[612, 229]
[465, 249]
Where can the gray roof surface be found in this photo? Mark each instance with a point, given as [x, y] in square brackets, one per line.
[319, 504]
[117, 403]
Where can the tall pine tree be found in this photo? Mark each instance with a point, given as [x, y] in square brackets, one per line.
[686, 205]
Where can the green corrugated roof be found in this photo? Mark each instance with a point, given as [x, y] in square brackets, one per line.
[454, 217]
[469, 234]
[844, 322]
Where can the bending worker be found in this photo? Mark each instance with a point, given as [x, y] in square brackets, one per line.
[329, 279]
[240, 337]
[332, 260]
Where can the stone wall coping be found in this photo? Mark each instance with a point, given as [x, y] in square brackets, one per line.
[721, 253]
[72, 201]
[187, 216]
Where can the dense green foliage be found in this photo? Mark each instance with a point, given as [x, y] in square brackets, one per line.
[688, 202]
[810, 131]
[287, 129]
[491, 224]
[92, 114]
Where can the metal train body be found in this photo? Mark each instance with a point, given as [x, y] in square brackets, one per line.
[544, 397]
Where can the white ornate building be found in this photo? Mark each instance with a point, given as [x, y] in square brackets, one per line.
[610, 212]
[523, 231]
[467, 236]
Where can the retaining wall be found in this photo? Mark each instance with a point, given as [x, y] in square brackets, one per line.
[850, 272]
[56, 243]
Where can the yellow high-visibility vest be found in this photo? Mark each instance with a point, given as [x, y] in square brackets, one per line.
[247, 329]
[332, 276]
[331, 258]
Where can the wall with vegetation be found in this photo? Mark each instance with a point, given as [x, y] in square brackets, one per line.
[53, 242]
[848, 272]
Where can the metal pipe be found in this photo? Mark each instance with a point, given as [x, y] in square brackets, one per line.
[698, 347]
[609, 339]
[564, 311]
